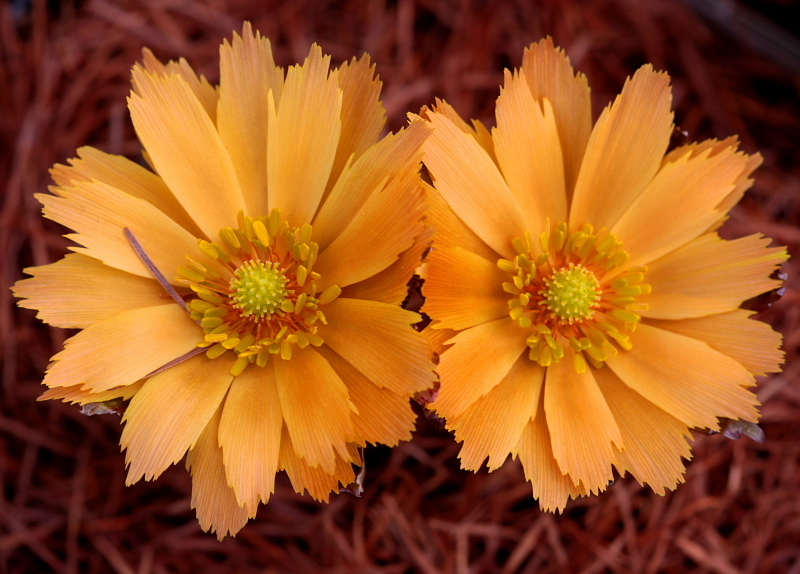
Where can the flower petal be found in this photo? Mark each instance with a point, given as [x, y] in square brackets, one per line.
[361, 332]
[713, 147]
[77, 291]
[124, 348]
[303, 134]
[75, 394]
[395, 154]
[167, 416]
[214, 501]
[383, 416]
[205, 93]
[550, 76]
[709, 276]
[463, 289]
[99, 213]
[655, 442]
[363, 116]
[123, 174]
[472, 185]
[624, 151]
[752, 343]
[315, 406]
[582, 428]
[479, 359]
[550, 486]
[247, 75]
[250, 435]
[529, 154]
[383, 228]
[686, 378]
[186, 149]
[450, 230]
[439, 338]
[687, 192]
[477, 130]
[391, 284]
[319, 483]
[493, 425]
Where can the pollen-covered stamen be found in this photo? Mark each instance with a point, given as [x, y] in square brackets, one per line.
[260, 297]
[572, 289]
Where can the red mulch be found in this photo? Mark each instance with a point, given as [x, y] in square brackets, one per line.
[64, 73]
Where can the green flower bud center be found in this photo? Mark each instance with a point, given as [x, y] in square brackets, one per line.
[258, 289]
[572, 293]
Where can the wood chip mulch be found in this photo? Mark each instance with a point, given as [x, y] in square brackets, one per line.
[64, 76]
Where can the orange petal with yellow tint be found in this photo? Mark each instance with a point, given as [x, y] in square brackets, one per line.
[463, 289]
[315, 405]
[493, 425]
[205, 93]
[686, 378]
[714, 146]
[383, 228]
[121, 173]
[479, 359]
[624, 151]
[212, 498]
[655, 442]
[363, 116]
[450, 230]
[77, 291]
[169, 413]
[477, 130]
[75, 394]
[529, 154]
[582, 428]
[709, 276]
[392, 156]
[391, 284]
[186, 149]
[361, 332]
[439, 338]
[551, 487]
[124, 348]
[247, 75]
[686, 192]
[303, 134]
[319, 483]
[550, 76]
[383, 416]
[472, 185]
[752, 343]
[99, 214]
[250, 435]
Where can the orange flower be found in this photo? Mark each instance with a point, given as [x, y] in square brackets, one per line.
[585, 309]
[292, 231]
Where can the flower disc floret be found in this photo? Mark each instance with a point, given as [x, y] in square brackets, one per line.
[260, 296]
[258, 288]
[572, 293]
[574, 289]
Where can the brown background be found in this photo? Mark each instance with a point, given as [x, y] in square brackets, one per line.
[64, 75]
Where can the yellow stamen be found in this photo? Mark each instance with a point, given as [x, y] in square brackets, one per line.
[256, 294]
[562, 296]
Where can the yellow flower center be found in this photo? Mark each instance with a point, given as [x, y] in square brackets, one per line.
[574, 289]
[571, 293]
[258, 296]
[258, 288]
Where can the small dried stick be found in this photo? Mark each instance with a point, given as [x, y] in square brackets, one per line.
[157, 275]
